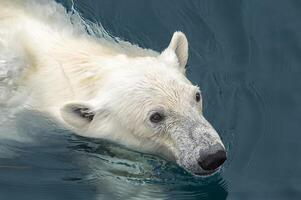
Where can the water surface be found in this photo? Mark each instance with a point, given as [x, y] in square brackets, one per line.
[246, 58]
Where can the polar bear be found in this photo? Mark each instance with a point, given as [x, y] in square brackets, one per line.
[111, 90]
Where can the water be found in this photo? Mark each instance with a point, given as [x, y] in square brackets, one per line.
[244, 55]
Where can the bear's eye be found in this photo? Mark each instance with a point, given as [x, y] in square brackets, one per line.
[197, 96]
[156, 117]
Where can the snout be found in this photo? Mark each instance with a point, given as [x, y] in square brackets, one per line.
[211, 159]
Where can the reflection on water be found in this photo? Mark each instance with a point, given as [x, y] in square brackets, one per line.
[122, 174]
[244, 55]
[55, 163]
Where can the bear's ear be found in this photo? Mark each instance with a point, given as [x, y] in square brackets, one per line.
[178, 46]
[77, 115]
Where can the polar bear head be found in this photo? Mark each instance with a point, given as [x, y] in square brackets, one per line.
[146, 103]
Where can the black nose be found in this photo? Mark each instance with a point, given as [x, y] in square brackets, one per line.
[213, 158]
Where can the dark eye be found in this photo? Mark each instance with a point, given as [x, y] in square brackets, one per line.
[197, 96]
[156, 117]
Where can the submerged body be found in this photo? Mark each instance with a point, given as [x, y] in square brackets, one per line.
[111, 90]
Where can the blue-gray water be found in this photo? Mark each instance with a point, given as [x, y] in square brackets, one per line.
[246, 57]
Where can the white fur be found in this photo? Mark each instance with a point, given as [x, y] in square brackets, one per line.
[67, 69]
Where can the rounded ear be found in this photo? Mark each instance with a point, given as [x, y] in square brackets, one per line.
[77, 115]
[179, 47]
